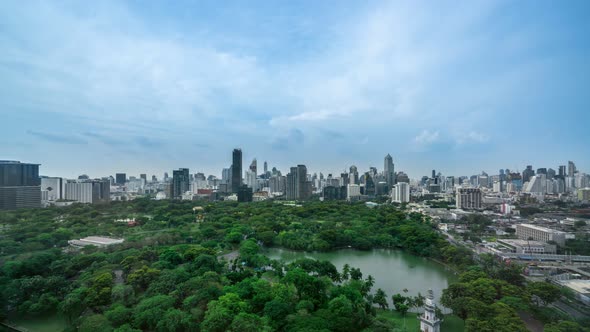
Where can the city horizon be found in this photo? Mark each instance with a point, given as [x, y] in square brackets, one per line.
[149, 87]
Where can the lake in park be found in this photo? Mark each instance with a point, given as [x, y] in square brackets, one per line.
[393, 270]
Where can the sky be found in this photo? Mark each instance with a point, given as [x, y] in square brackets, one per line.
[99, 87]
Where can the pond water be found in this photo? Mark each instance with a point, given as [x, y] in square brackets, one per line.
[394, 271]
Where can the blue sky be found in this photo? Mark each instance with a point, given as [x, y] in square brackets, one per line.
[145, 86]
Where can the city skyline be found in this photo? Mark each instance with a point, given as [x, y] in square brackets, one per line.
[145, 88]
[568, 165]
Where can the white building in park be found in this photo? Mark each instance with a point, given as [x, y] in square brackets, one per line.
[97, 241]
[428, 320]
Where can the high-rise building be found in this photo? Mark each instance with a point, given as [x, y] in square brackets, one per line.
[254, 167]
[551, 173]
[369, 185]
[353, 192]
[20, 186]
[354, 175]
[265, 167]
[303, 185]
[236, 170]
[562, 173]
[571, 168]
[244, 194]
[468, 198]
[121, 178]
[527, 173]
[180, 182]
[298, 186]
[251, 180]
[54, 188]
[389, 170]
[400, 193]
[402, 177]
[143, 176]
[277, 184]
[88, 191]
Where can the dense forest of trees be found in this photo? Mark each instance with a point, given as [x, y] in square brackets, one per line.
[167, 275]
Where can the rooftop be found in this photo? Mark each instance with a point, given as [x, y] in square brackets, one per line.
[580, 286]
[543, 229]
[95, 241]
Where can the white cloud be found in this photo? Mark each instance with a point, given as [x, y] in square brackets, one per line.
[427, 137]
[471, 137]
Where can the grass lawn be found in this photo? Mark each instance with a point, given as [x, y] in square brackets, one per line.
[451, 323]
[412, 324]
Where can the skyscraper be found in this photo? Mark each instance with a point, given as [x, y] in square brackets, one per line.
[298, 187]
[265, 167]
[571, 168]
[389, 170]
[562, 171]
[254, 167]
[303, 186]
[20, 186]
[180, 182]
[354, 175]
[527, 173]
[121, 178]
[236, 170]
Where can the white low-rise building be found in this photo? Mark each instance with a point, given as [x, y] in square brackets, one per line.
[97, 241]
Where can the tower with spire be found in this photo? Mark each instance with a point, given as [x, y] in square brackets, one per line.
[428, 320]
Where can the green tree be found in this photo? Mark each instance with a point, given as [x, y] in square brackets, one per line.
[150, 311]
[95, 323]
[380, 299]
[543, 293]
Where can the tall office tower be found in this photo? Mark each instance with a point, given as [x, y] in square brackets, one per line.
[226, 175]
[154, 178]
[527, 173]
[121, 178]
[571, 168]
[291, 184]
[433, 174]
[277, 184]
[143, 176]
[354, 175]
[297, 185]
[369, 185]
[303, 184]
[254, 167]
[562, 171]
[20, 186]
[265, 167]
[166, 176]
[542, 170]
[236, 170]
[54, 188]
[344, 181]
[468, 198]
[251, 180]
[401, 193]
[88, 191]
[389, 170]
[550, 173]
[180, 182]
[83, 177]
